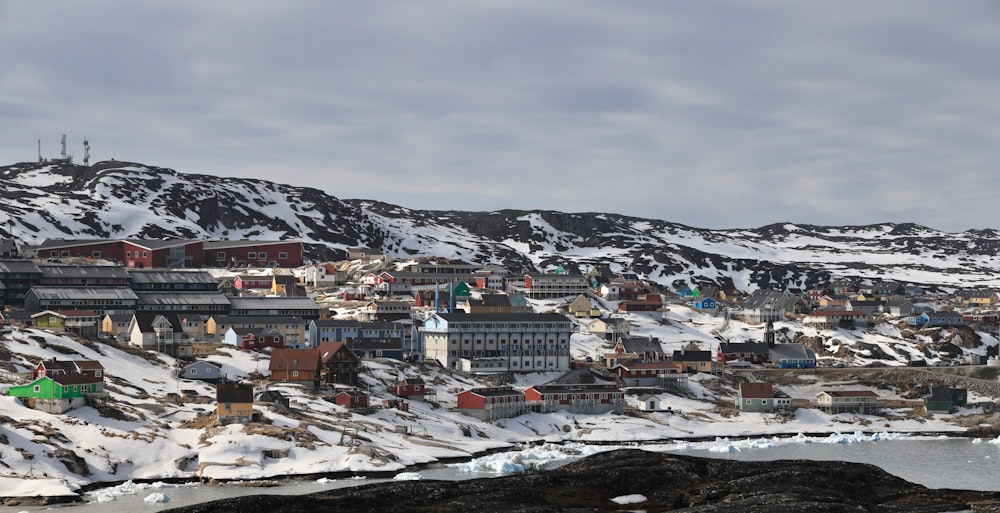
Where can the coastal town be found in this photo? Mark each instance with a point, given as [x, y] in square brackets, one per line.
[252, 335]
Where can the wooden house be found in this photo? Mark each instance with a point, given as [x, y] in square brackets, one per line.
[762, 397]
[581, 307]
[301, 366]
[351, 399]
[411, 387]
[202, 371]
[234, 403]
[592, 398]
[651, 303]
[849, 401]
[339, 364]
[254, 339]
[644, 374]
[488, 403]
[57, 393]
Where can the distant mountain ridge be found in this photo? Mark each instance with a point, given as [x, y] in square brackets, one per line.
[113, 199]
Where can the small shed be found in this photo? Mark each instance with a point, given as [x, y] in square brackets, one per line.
[351, 399]
[649, 402]
[411, 387]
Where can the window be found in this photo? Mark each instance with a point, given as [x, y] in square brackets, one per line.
[54, 254]
[251, 255]
[282, 255]
[145, 254]
[194, 371]
[221, 255]
[96, 254]
[128, 254]
[295, 374]
[262, 256]
[37, 389]
[65, 253]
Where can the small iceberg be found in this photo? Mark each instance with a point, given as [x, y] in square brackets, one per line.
[156, 497]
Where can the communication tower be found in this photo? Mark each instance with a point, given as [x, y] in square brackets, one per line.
[40, 159]
[64, 147]
[86, 152]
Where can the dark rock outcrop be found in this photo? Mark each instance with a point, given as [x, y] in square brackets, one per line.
[668, 483]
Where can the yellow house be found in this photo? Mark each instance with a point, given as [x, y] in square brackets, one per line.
[292, 328]
[234, 403]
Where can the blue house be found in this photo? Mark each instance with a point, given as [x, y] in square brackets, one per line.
[706, 304]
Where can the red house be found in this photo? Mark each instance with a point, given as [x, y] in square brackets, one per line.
[253, 253]
[253, 282]
[171, 253]
[491, 402]
[579, 398]
[51, 368]
[257, 338]
[410, 387]
[635, 373]
[351, 399]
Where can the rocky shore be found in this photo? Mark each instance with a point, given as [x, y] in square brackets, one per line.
[642, 481]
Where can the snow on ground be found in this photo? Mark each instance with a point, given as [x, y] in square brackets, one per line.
[155, 427]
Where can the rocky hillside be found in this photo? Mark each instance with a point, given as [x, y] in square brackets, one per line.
[118, 199]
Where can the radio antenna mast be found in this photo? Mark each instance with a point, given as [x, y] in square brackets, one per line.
[86, 152]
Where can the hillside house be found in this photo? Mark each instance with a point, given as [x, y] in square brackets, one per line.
[292, 328]
[611, 328]
[693, 360]
[551, 285]
[254, 339]
[234, 403]
[940, 318]
[51, 368]
[339, 364]
[160, 332]
[388, 311]
[762, 397]
[351, 399]
[945, 399]
[489, 403]
[707, 305]
[202, 371]
[833, 319]
[299, 366]
[489, 303]
[411, 387]
[650, 303]
[750, 352]
[646, 374]
[592, 398]
[581, 307]
[57, 393]
[864, 402]
[792, 356]
[115, 326]
[83, 323]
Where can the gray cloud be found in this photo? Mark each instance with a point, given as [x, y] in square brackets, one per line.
[712, 114]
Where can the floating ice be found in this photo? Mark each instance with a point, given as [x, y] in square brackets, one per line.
[408, 476]
[156, 497]
[724, 448]
[529, 459]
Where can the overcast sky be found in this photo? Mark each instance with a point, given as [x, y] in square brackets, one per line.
[713, 114]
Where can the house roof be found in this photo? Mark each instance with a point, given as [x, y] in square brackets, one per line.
[757, 390]
[295, 359]
[18, 266]
[154, 244]
[692, 356]
[642, 345]
[182, 298]
[189, 276]
[84, 271]
[76, 293]
[791, 351]
[743, 347]
[145, 321]
[255, 320]
[72, 243]
[328, 349]
[230, 244]
[234, 393]
[495, 392]
[74, 379]
[273, 303]
[849, 393]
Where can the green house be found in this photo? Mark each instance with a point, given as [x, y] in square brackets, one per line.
[49, 319]
[64, 386]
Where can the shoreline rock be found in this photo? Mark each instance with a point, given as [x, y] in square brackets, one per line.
[663, 482]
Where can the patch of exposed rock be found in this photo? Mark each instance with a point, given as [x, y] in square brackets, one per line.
[667, 482]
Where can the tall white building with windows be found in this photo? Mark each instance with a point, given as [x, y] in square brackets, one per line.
[489, 342]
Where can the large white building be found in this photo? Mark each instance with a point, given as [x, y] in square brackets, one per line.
[485, 343]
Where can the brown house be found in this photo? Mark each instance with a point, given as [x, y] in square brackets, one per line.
[300, 366]
[339, 363]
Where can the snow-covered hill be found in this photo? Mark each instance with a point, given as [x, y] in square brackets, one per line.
[117, 200]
